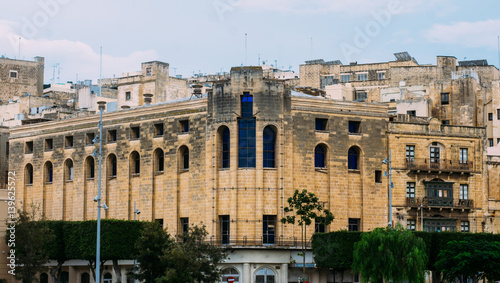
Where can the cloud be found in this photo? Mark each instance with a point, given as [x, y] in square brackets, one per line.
[73, 57]
[469, 34]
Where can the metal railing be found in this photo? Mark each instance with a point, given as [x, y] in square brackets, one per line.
[433, 164]
[264, 241]
[439, 202]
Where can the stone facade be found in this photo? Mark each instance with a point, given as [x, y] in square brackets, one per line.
[233, 157]
[18, 77]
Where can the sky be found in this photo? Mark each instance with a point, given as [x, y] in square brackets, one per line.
[211, 36]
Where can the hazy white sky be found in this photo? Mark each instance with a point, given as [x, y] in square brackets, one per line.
[208, 36]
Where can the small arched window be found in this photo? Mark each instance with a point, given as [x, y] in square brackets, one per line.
[320, 156]
[28, 174]
[48, 172]
[184, 157]
[112, 166]
[159, 162]
[353, 158]
[85, 278]
[225, 141]
[269, 144]
[135, 163]
[89, 168]
[44, 278]
[68, 170]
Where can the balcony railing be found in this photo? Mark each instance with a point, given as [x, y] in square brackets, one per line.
[440, 202]
[277, 241]
[448, 165]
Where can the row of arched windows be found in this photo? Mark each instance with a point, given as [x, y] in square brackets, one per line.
[353, 157]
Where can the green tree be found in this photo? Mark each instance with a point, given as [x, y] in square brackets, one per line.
[392, 254]
[31, 238]
[306, 207]
[469, 259]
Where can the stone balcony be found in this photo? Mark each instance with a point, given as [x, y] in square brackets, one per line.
[440, 202]
[439, 165]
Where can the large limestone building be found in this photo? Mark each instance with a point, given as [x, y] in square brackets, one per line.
[231, 158]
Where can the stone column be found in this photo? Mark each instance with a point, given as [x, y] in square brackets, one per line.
[72, 274]
[284, 273]
[247, 274]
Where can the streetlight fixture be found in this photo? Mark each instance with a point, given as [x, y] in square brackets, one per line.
[391, 185]
[136, 212]
[102, 106]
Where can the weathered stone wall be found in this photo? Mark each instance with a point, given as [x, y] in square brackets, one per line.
[29, 78]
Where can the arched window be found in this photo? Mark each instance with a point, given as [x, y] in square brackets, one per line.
[159, 162]
[269, 143]
[265, 275]
[64, 277]
[353, 158]
[246, 130]
[85, 278]
[68, 170]
[89, 167]
[135, 163]
[225, 141]
[44, 278]
[48, 172]
[230, 272]
[108, 278]
[112, 166]
[28, 174]
[184, 158]
[320, 156]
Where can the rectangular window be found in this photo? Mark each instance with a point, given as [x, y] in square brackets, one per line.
[268, 229]
[321, 124]
[464, 226]
[354, 224]
[498, 140]
[378, 176]
[7, 149]
[445, 98]
[68, 141]
[127, 95]
[112, 136]
[148, 71]
[410, 153]
[445, 122]
[319, 225]
[464, 155]
[360, 96]
[381, 75]
[410, 189]
[354, 127]
[498, 114]
[411, 224]
[362, 77]
[184, 225]
[49, 145]
[159, 221]
[89, 138]
[158, 129]
[224, 229]
[411, 112]
[13, 74]
[345, 78]
[434, 154]
[135, 133]
[184, 126]
[464, 191]
[490, 142]
[28, 147]
[246, 105]
[490, 116]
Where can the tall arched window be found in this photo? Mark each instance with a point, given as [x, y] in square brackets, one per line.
[135, 163]
[112, 166]
[225, 141]
[246, 136]
[230, 272]
[48, 172]
[184, 158]
[89, 167]
[353, 158]
[44, 278]
[85, 278]
[68, 170]
[159, 162]
[28, 174]
[269, 144]
[320, 156]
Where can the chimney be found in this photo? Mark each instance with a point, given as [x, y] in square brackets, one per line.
[148, 98]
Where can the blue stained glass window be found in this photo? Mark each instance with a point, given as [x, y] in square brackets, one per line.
[246, 143]
[320, 156]
[353, 158]
[225, 148]
[246, 106]
[269, 139]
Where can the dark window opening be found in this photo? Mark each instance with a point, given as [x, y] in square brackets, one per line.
[112, 166]
[246, 137]
[354, 127]
[490, 142]
[268, 229]
[69, 170]
[148, 71]
[184, 157]
[224, 229]
[28, 174]
[247, 105]
[184, 225]
[360, 96]
[269, 138]
[135, 164]
[319, 225]
[28, 148]
[184, 126]
[226, 141]
[498, 114]
[49, 145]
[90, 167]
[112, 136]
[68, 141]
[159, 221]
[321, 124]
[353, 158]
[446, 122]
[411, 112]
[49, 172]
[490, 116]
[320, 156]
[13, 74]
[378, 176]
[135, 133]
[159, 129]
[89, 138]
[445, 98]
[354, 224]
[159, 160]
[7, 149]
[127, 95]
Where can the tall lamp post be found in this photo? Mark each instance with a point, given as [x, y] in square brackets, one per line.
[102, 105]
[391, 185]
[136, 212]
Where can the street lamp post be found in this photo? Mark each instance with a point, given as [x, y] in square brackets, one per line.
[391, 185]
[136, 212]
[102, 105]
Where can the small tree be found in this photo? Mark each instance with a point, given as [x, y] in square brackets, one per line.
[307, 208]
[391, 254]
[31, 238]
[470, 259]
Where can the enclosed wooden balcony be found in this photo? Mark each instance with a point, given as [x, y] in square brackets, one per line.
[440, 202]
[443, 165]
